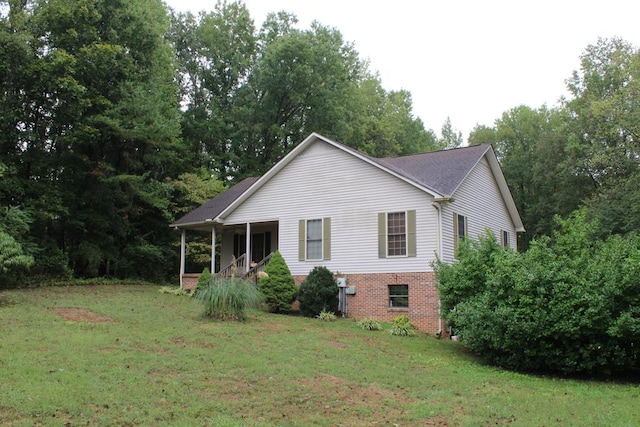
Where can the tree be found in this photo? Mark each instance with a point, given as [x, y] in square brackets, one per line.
[278, 287]
[450, 137]
[318, 292]
[606, 117]
[533, 146]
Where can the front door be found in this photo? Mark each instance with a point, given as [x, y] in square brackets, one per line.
[260, 245]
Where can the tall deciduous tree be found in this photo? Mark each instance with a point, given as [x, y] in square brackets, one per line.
[606, 111]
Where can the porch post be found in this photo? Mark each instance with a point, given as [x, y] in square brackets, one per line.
[247, 260]
[213, 250]
[183, 244]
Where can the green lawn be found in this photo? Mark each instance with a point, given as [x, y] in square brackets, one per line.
[156, 362]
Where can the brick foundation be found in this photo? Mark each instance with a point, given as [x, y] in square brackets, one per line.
[372, 298]
[189, 281]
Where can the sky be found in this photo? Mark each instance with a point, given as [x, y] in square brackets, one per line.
[467, 60]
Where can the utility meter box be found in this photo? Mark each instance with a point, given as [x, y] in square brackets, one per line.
[351, 290]
[342, 282]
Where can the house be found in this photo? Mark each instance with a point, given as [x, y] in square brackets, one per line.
[380, 223]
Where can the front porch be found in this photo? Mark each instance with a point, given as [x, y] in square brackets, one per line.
[239, 249]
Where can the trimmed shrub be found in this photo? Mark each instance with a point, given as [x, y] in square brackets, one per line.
[203, 280]
[278, 287]
[228, 298]
[318, 292]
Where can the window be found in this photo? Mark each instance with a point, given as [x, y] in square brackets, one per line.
[314, 239]
[398, 296]
[459, 229]
[396, 234]
[505, 239]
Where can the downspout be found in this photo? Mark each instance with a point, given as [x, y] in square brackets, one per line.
[437, 205]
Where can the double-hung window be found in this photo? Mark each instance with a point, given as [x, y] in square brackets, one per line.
[398, 296]
[505, 238]
[397, 234]
[314, 239]
[460, 230]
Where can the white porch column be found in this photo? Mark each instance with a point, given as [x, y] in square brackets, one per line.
[213, 250]
[183, 250]
[247, 260]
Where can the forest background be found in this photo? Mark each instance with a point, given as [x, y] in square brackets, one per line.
[117, 117]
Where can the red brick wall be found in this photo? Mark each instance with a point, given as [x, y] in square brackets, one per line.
[189, 281]
[372, 298]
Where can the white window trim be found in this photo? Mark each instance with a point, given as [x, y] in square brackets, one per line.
[406, 235]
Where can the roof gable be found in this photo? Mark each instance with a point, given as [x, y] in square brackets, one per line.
[441, 171]
[212, 208]
[438, 173]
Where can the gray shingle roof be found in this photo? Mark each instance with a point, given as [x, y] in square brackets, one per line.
[214, 206]
[439, 171]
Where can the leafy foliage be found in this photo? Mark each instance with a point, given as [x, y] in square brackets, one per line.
[402, 327]
[228, 298]
[568, 305]
[203, 280]
[326, 316]
[369, 324]
[278, 287]
[318, 292]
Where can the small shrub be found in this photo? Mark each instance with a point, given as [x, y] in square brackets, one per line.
[277, 285]
[369, 324]
[228, 298]
[318, 292]
[401, 327]
[203, 280]
[173, 291]
[326, 316]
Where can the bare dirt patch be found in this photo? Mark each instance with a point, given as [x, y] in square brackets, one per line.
[76, 314]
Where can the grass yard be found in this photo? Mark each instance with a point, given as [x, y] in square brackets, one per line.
[129, 355]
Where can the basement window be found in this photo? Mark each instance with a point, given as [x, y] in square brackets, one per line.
[398, 296]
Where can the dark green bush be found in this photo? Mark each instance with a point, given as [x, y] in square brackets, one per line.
[568, 305]
[278, 287]
[203, 280]
[318, 292]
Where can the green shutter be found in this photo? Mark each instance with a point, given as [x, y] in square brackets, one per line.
[382, 235]
[411, 233]
[326, 238]
[455, 232]
[302, 240]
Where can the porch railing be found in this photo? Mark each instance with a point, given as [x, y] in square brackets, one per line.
[260, 266]
[235, 269]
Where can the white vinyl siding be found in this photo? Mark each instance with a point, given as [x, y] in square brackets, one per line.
[488, 211]
[325, 182]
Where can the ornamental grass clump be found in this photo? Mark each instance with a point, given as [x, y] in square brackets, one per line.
[369, 324]
[228, 298]
[401, 327]
[326, 316]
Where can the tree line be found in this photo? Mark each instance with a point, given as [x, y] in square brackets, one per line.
[117, 117]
